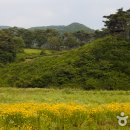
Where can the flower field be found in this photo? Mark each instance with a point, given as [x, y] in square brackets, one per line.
[62, 116]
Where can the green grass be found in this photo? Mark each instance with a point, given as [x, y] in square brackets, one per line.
[31, 54]
[14, 95]
[28, 51]
[32, 51]
[28, 54]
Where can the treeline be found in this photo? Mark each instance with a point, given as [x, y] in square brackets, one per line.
[13, 40]
[50, 38]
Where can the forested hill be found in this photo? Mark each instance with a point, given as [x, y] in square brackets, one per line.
[74, 27]
[102, 64]
[4, 27]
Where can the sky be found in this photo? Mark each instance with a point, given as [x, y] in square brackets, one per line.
[30, 13]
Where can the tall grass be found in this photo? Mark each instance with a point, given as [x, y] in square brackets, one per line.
[15, 95]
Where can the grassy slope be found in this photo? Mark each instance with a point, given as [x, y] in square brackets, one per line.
[103, 64]
[13, 95]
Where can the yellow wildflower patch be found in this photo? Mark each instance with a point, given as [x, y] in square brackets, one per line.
[42, 115]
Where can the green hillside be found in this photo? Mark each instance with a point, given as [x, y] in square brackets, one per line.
[74, 27]
[4, 27]
[102, 64]
[70, 28]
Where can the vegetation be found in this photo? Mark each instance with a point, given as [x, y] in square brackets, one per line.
[66, 95]
[9, 46]
[75, 61]
[52, 109]
[50, 39]
[119, 22]
[103, 64]
[74, 27]
[69, 59]
[61, 116]
[4, 27]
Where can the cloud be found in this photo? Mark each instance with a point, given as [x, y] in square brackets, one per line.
[27, 13]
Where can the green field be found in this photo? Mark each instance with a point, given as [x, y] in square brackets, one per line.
[46, 102]
[14, 95]
[32, 51]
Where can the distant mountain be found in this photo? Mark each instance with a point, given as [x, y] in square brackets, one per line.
[4, 27]
[59, 28]
[74, 27]
[70, 28]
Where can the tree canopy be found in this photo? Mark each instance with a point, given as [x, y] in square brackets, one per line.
[119, 22]
[9, 46]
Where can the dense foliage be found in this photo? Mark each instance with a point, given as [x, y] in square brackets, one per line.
[50, 38]
[119, 23]
[9, 46]
[102, 64]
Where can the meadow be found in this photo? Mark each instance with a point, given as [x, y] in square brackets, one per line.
[62, 109]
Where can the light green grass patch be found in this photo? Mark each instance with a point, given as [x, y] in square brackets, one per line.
[32, 51]
[14, 95]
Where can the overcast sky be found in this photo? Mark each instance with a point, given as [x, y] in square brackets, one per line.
[28, 13]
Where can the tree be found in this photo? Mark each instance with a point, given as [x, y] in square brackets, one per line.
[70, 41]
[7, 48]
[19, 43]
[54, 42]
[51, 32]
[101, 33]
[39, 38]
[25, 34]
[118, 23]
[83, 37]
